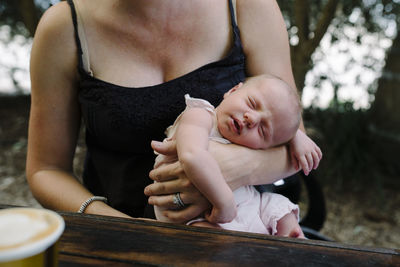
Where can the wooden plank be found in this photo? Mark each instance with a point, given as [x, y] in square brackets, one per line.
[156, 243]
[90, 240]
[65, 260]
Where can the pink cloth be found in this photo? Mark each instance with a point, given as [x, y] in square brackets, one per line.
[256, 212]
[259, 213]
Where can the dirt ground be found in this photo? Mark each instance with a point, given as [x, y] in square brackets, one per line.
[367, 216]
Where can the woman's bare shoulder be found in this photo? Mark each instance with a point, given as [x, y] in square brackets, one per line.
[254, 4]
[54, 41]
[257, 10]
[56, 23]
[265, 38]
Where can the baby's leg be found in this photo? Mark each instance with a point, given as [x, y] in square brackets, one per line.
[288, 226]
[280, 215]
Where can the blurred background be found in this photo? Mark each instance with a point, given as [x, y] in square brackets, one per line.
[346, 62]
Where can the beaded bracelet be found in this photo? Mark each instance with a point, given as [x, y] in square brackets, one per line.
[89, 201]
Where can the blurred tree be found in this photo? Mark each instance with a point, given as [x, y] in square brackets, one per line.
[21, 15]
[386, 107]
[384, 115]
[385, 111]
[384, 15]
[308, 21]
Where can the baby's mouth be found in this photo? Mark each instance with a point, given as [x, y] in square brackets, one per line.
[237, 126]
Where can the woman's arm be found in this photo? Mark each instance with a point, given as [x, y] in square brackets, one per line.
[55, 116]
[266, 46]
[192, 137]
[256, 167]
[265, 43]
[265, 39]
[242, 166]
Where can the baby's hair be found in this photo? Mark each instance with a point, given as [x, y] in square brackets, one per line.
[292, 91]
[294, 109]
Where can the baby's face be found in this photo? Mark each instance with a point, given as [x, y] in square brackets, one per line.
[251, 115]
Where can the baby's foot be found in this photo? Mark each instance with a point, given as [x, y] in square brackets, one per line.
[289, 227]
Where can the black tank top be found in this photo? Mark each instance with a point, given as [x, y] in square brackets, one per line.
[121, 122]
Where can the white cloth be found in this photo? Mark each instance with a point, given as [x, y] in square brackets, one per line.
[256, 212]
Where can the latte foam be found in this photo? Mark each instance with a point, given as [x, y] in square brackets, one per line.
[21, 228]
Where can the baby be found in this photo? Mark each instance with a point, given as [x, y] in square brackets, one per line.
[260, 113]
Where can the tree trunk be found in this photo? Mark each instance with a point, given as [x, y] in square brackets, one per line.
[29, 14]
[302, 52]
[301, 63]
[385, 111]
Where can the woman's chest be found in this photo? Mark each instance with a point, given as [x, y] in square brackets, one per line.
[145, 54]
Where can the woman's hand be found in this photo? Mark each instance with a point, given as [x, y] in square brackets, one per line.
[170, 179]
[239, 165]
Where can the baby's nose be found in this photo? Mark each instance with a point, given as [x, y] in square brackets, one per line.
[251, 118]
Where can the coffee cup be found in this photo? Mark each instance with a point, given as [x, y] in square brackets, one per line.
[28, 237]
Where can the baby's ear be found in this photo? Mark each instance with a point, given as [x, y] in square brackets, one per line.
[233, 89]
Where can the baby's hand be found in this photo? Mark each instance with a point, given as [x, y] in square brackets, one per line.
[222, 215]
[304, 153]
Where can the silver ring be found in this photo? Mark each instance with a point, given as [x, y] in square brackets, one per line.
[178, 201]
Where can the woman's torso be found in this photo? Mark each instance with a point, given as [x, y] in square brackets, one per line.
[131, 99]
[141, 50]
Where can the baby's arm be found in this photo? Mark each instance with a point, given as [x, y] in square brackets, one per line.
[201, 168]
[304, 152]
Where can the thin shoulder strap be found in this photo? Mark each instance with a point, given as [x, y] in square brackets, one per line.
[80, 37]
[232, 8]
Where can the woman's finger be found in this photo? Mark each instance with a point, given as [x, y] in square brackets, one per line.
[168, 147]
[163, 188]
[192, 211]
[164, 202]
[163, 160]
[166, 172]
[167, 201]
[179, 184]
